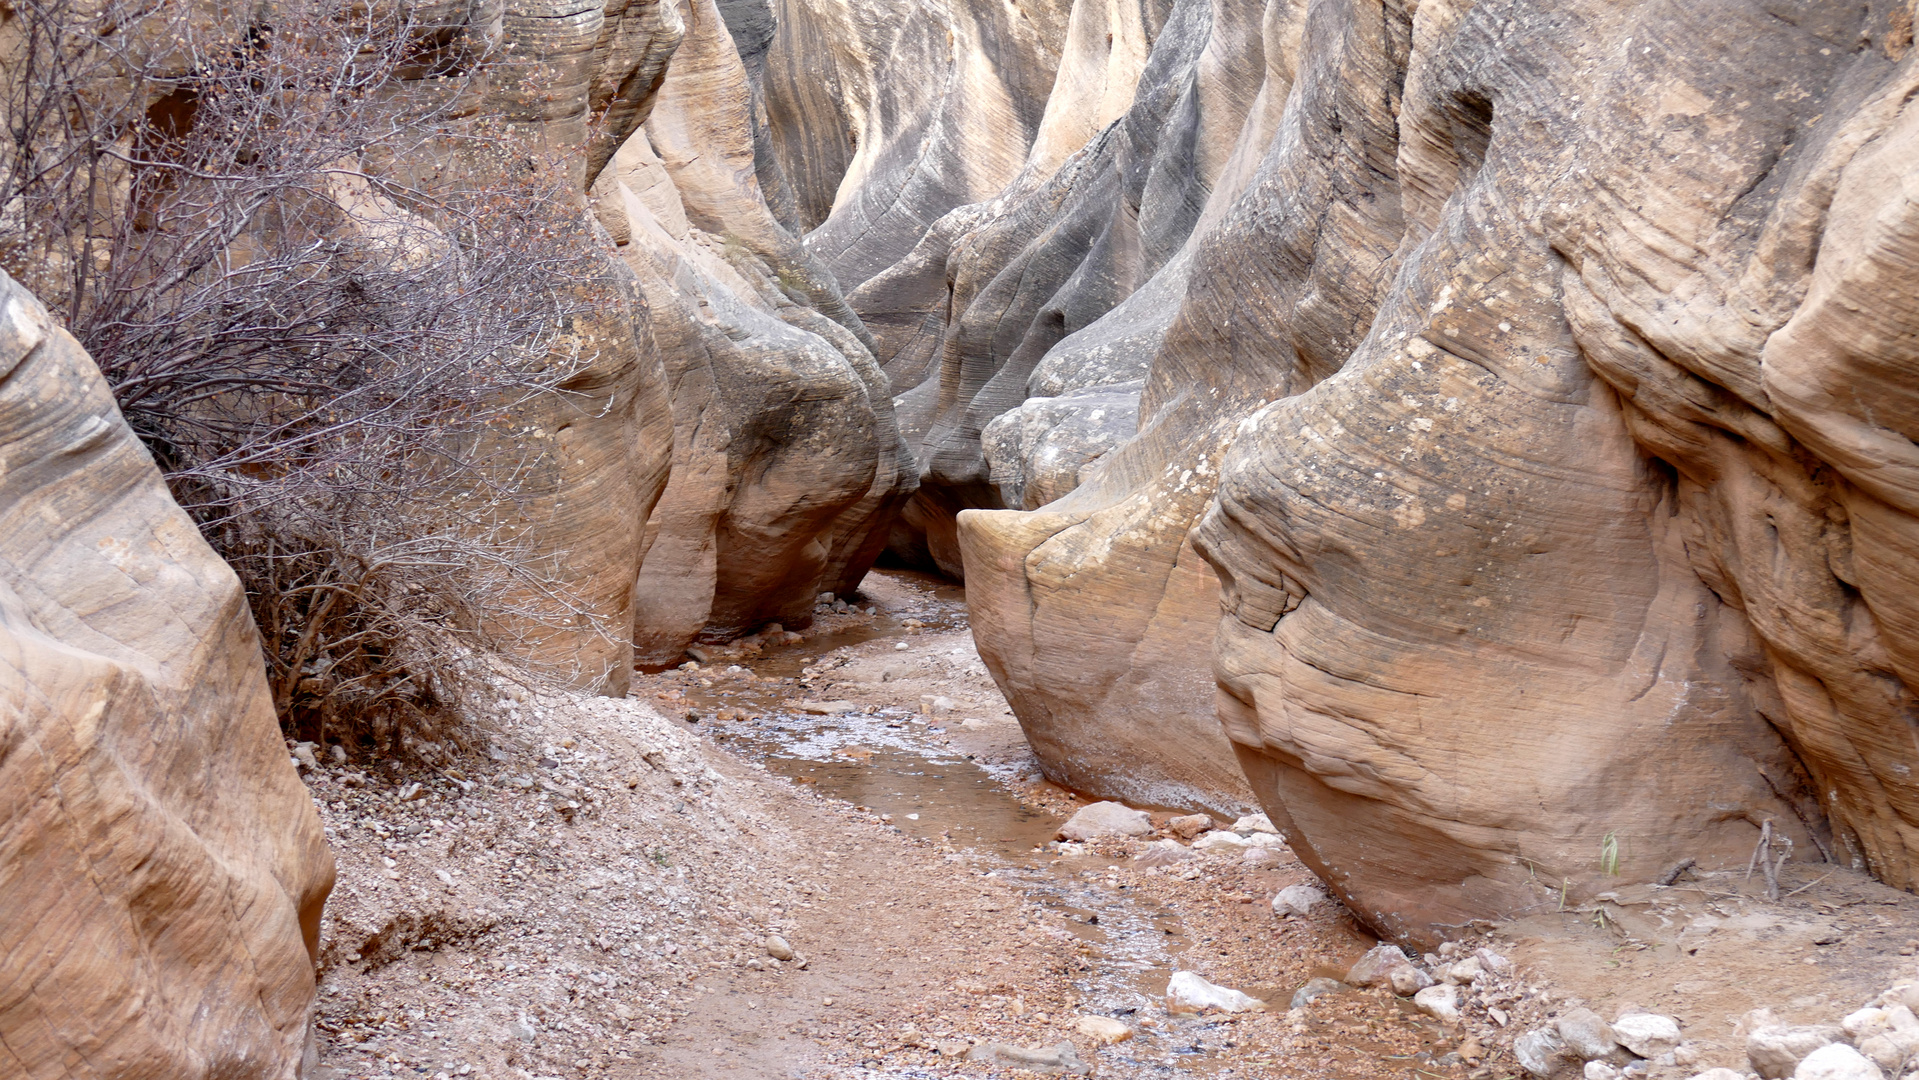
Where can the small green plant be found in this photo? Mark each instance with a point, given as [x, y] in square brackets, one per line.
[1609, 854]
[659, 857]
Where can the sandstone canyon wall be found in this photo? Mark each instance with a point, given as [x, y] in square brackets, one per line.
[1539, 379]
[731, 450]
[787, 460]
[162, 864]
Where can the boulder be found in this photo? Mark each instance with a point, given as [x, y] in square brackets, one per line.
[163, 868]
[1106, 819]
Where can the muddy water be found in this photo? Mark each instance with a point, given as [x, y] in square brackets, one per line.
[890, 763]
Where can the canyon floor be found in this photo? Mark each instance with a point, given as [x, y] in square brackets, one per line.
[595, 896]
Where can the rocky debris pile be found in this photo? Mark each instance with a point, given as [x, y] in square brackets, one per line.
[579, 881]
[1878, 1041]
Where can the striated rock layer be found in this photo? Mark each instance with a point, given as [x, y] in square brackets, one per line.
[162, 865]
[1540, 379]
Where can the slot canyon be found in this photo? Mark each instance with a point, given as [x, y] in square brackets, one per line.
[910, 538]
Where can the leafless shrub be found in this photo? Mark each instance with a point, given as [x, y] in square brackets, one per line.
[322, 284]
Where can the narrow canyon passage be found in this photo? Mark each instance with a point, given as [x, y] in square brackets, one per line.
[600, 900]
[865, 796]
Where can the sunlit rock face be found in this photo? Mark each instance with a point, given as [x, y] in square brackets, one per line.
[1093, 611]
[162, 865]
[1544, 400]
[787, 460]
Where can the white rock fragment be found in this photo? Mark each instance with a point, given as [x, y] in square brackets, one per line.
[1186, 992]
[777, 948]
[1837, 1061]
[1377, 966]
[1106, 819]
[1439, 1002]
[1163, 853]
[1220, 841]
[1255, 823]
[1647, 1034]
[1539, 1051]
[1298, 900]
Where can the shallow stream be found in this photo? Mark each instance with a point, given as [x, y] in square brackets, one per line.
[891, 763]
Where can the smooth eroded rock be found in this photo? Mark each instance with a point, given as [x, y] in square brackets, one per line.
[162, 865]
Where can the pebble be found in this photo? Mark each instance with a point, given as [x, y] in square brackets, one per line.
[1106, 819]
[1837, 1061]
[1315, 988]
[1255, 823]
[777, 948]
[1220, 841]
[1647, 1034]
[1189, 826]
[1186, 992]
[1586, 1035]
[1439, 1002]
[1103, 1030]
[1298, 900]
[827, 708]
